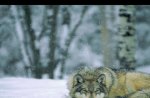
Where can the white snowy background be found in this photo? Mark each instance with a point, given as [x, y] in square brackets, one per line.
[32, 88]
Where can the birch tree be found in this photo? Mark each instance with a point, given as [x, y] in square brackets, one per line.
[126, 37]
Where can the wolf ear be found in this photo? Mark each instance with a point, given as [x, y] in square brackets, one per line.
[101, 79]
[78, 79]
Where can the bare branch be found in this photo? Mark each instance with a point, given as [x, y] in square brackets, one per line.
[42, 33]
[73, 31]
[70, 39]
[20, 35]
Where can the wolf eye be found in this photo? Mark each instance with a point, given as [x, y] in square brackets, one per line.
[97, 91]
[83, 91]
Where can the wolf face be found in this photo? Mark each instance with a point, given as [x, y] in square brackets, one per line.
[88, 86]
[84, 88]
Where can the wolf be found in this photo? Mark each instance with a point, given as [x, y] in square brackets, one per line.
[103, 82]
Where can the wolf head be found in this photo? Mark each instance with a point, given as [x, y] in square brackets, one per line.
[86, 83]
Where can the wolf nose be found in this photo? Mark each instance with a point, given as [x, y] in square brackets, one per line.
[91, 95]
[91, 88]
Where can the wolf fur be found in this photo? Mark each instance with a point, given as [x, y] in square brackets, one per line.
[103, 82]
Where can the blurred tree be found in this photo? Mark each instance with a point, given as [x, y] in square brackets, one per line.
[27, 38]
[21, 37]
[4, 22]
[35, 52]
[126, 37]
[65, 25]
[70, 37]
[9, 54]
[106, 35]
[52, 12]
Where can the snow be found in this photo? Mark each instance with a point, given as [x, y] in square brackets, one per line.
[145, 69]
[32, 88]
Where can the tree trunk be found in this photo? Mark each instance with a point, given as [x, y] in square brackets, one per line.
[22, 39]
[65, 25]
[126, 37]
[52, 11]
[106, 35]
[37, 69]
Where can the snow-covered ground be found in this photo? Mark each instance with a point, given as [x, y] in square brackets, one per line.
[32, 88]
